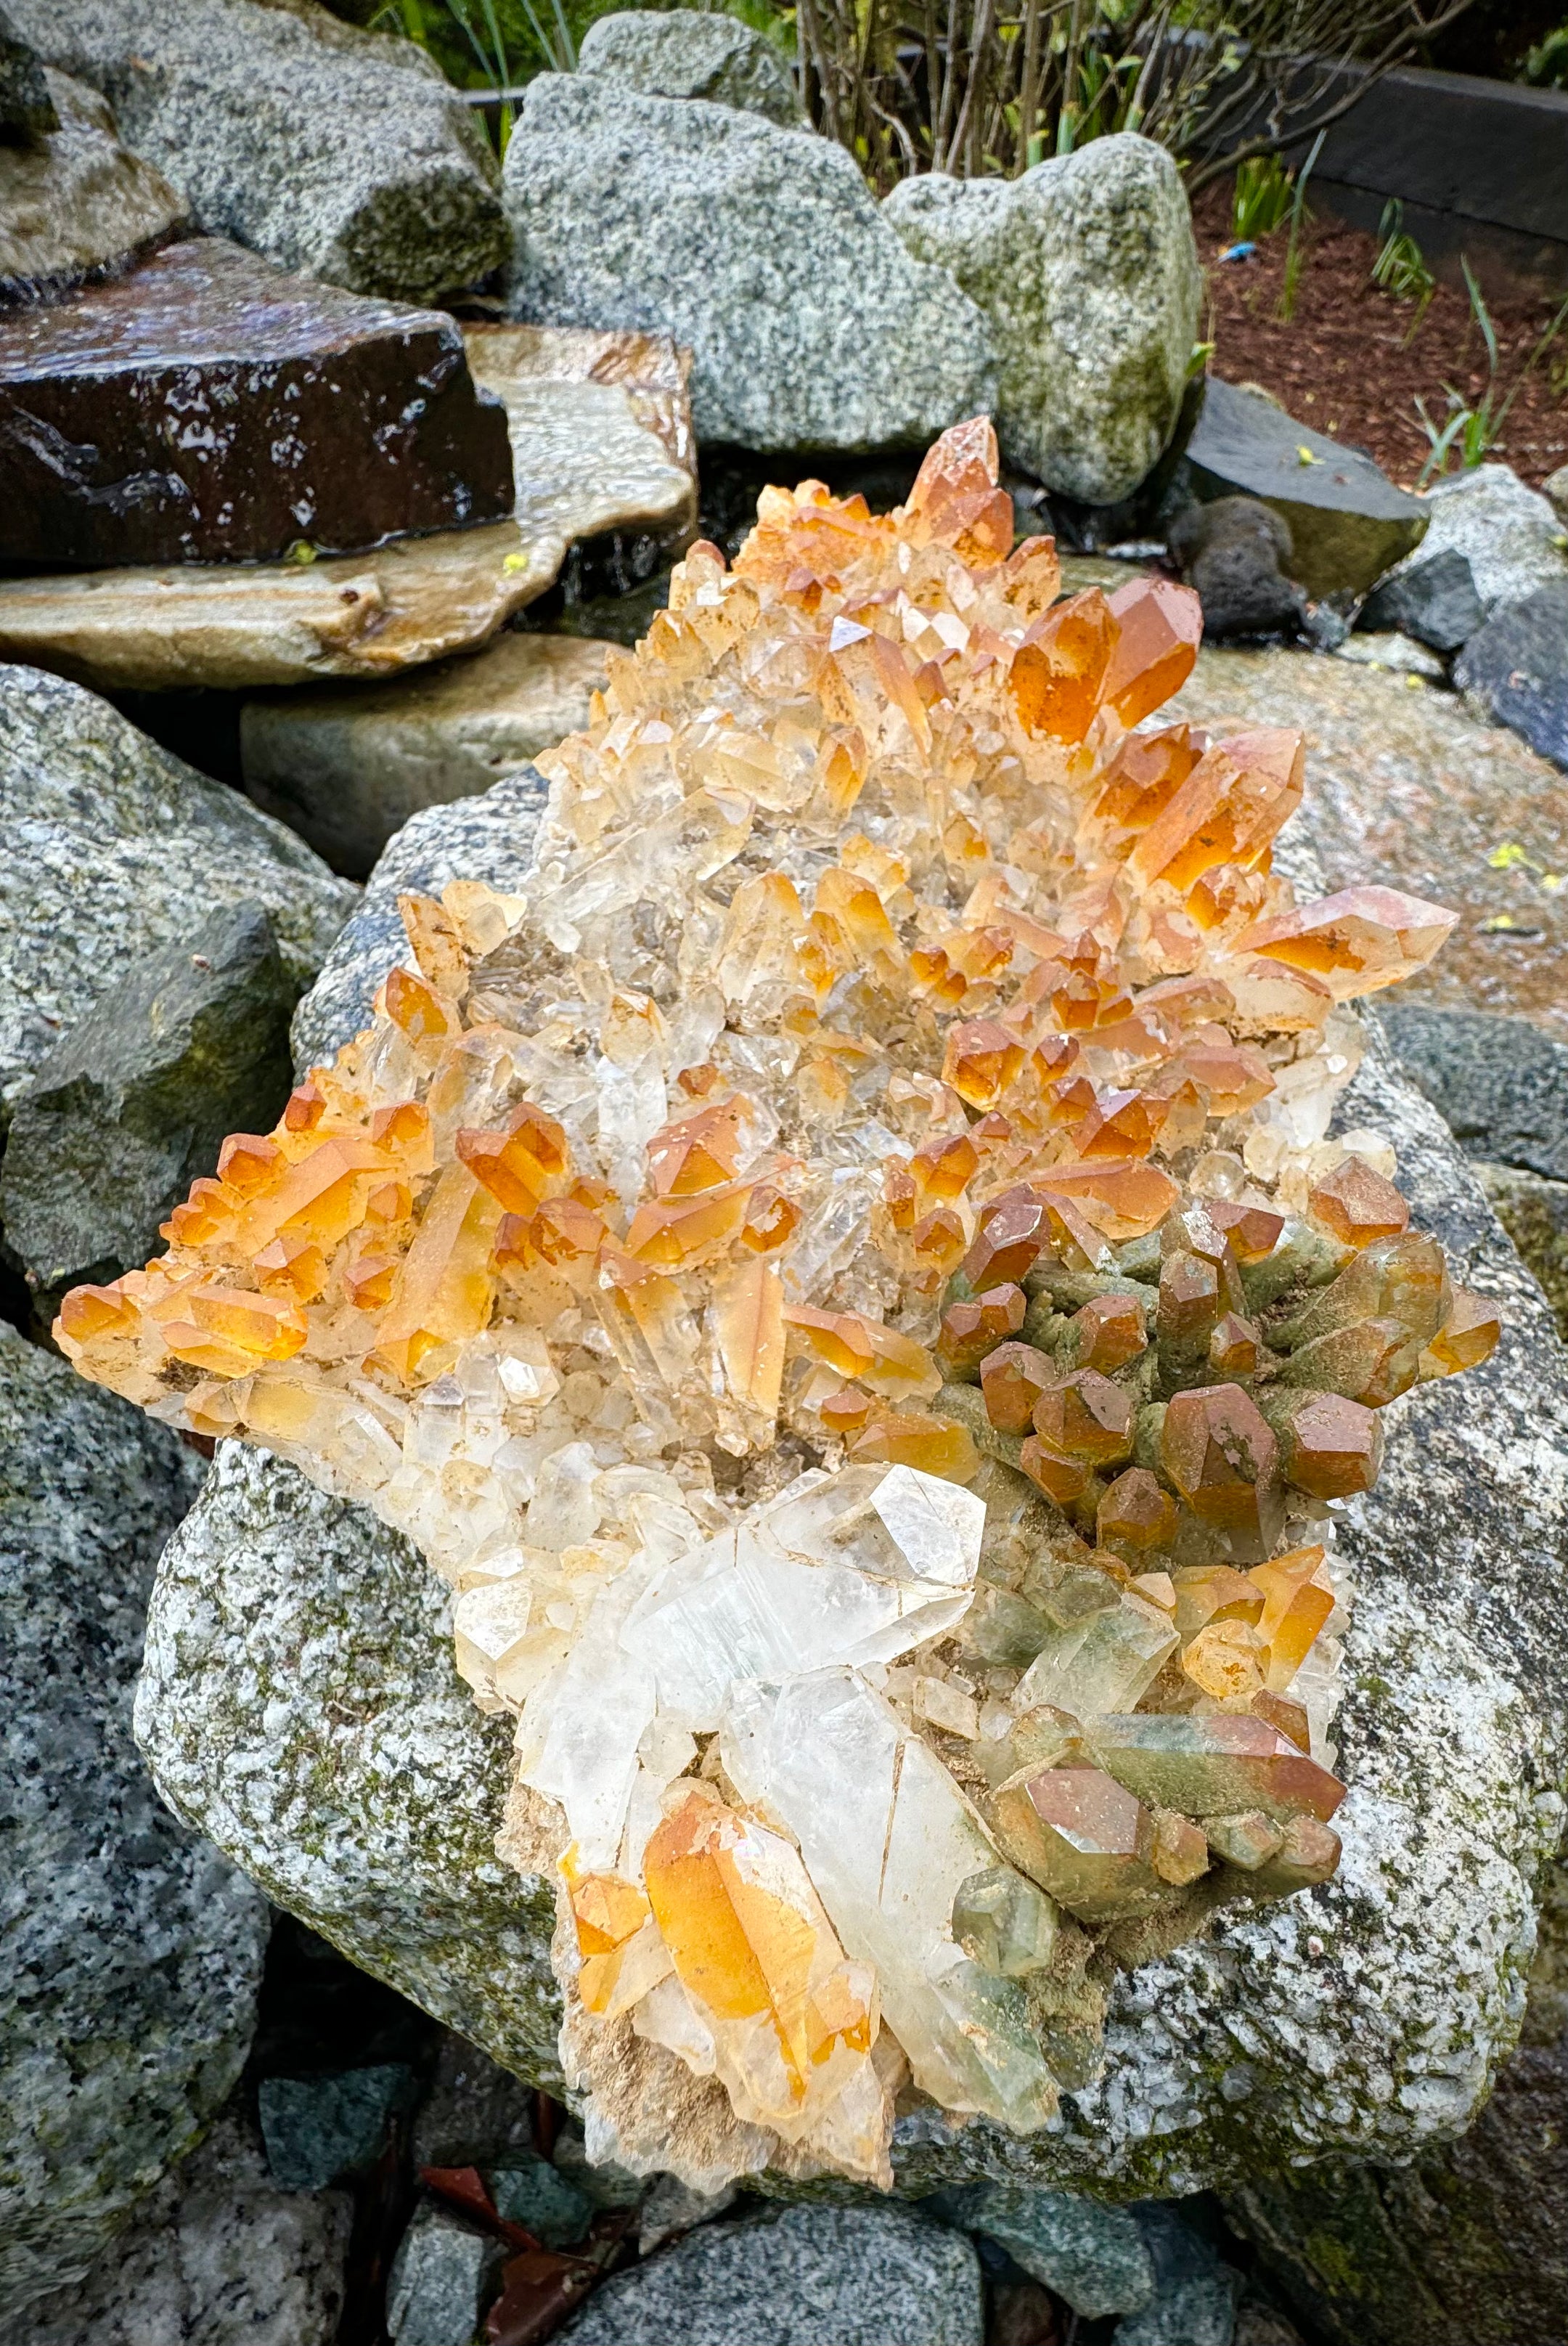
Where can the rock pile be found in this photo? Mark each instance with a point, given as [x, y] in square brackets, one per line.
[340, 153]
[1086, 273]
[759, 248]
[601, 446]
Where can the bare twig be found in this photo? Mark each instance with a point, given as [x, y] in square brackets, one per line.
[978, 85]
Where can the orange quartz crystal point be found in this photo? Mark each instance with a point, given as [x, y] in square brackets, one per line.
[414, 1006]
[1356, 1204]
[1239, 795]
[753, 1948]
[1355, 942]
[1159, 626]
[521, 1164]
[1058, 674]
[697, 1152]
[956, 496]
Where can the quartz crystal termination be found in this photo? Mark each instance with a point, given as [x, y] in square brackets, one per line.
[846, 1276]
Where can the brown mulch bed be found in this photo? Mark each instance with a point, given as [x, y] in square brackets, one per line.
[1348, 363]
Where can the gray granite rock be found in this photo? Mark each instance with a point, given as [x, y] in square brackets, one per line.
[490, 836]
[1469, 2246]
[216, 2256]
[1348, 522]
[135, 1102]
[760, 248]
[132, 1949]
[77, 201]
[1199, 2310]
[814, 2277]
[1195, 2294]
[692, 53]
[1086, 271]
[299, 1696]
[1093, 2256]
[1515, 669]
[1431, 597]
[1509, 534]
[1500, 1085]
[318, 2129]
[26, 107]
[340, 153]
[439, 2280]
[111, 847]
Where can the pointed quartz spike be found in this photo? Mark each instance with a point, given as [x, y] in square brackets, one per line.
[890, 1840]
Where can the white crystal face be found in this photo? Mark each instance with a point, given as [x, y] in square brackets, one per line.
[888, 1838]
[831, 1573]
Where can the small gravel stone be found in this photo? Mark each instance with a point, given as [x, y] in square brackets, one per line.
[545, 2202]
[1094, 2256]
[318, 2129]
[439, 2281]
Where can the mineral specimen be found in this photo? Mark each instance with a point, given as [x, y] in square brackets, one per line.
[846, 1276]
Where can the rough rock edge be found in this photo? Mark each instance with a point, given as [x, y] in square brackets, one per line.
[217, 2256]
[91, 812]
[768, 372]
[489, 837]
[397, 1776]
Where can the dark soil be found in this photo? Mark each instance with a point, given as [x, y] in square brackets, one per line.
[1349, 364]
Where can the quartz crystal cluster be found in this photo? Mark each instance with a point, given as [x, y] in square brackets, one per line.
[846, 1279]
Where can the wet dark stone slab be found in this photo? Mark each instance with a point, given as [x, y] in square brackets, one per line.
[206, 407]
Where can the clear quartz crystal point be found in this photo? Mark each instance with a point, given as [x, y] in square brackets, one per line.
[889, 1840]
[1106, 1663]
[593, 1715]
[856, 1567]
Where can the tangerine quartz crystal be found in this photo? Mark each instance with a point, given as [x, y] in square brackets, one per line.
[846, 1276]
